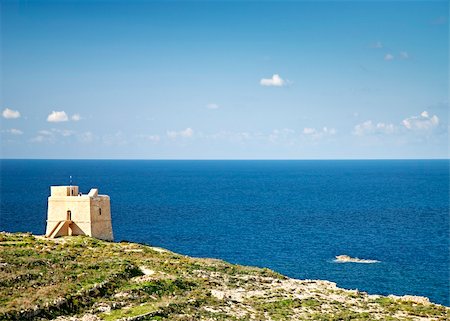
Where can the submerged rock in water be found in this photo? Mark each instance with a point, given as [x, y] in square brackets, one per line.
[349, 259]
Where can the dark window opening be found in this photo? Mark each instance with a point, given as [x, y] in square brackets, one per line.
[100, 211]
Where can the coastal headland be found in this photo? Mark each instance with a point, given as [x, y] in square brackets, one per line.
[82, 278]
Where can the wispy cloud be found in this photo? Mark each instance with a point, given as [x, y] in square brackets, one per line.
[377, 45]
[212, 106]
[275, 81]
[10, 114]
[76, 117]
[388, 57]
[64, 132]
[186, 133]
[404, 55]
[13, 131]
[86, 137]
[38, 139]
[43, 136]
[151, 138]
[53, 131]
[117, 139]
[236, 137]
[45, 132]
[370, 128]
[317, 133]
[282, 135]
[421, 122]
[57, 116]
[309, 131]
[52, 135]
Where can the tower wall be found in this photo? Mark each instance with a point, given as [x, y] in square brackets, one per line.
[78, 215]
[101, 218]
[74, 208]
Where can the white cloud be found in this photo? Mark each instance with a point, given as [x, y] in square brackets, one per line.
[13, 131]
[323, 131]
[152, 138]
[370, 128]
[421, 122]
[309, 131]
[212, 106]
[10, 114]
[57, 116]
[76, 117]
[318, 133]
[275, 81]
[186, 133]
[389, 57]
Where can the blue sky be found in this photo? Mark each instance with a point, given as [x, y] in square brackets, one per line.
[224, 80]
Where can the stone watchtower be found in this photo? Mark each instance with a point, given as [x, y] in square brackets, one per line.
[73, 213]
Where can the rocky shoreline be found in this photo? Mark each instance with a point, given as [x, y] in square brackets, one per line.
[80, 278]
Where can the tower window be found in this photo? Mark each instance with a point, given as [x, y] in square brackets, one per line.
[100, 211]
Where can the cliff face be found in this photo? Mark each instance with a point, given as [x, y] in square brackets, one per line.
[80, 278]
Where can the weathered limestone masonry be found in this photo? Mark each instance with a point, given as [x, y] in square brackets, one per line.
[73, 213]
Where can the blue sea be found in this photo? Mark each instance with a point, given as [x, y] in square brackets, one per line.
[291, 216]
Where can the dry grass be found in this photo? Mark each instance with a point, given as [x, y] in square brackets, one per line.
[81, 276]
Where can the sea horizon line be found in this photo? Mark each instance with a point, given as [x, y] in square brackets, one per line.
[231, 159]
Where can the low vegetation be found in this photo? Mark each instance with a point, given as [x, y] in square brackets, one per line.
[81, 278]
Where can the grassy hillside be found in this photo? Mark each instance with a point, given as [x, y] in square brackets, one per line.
[80, 278]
